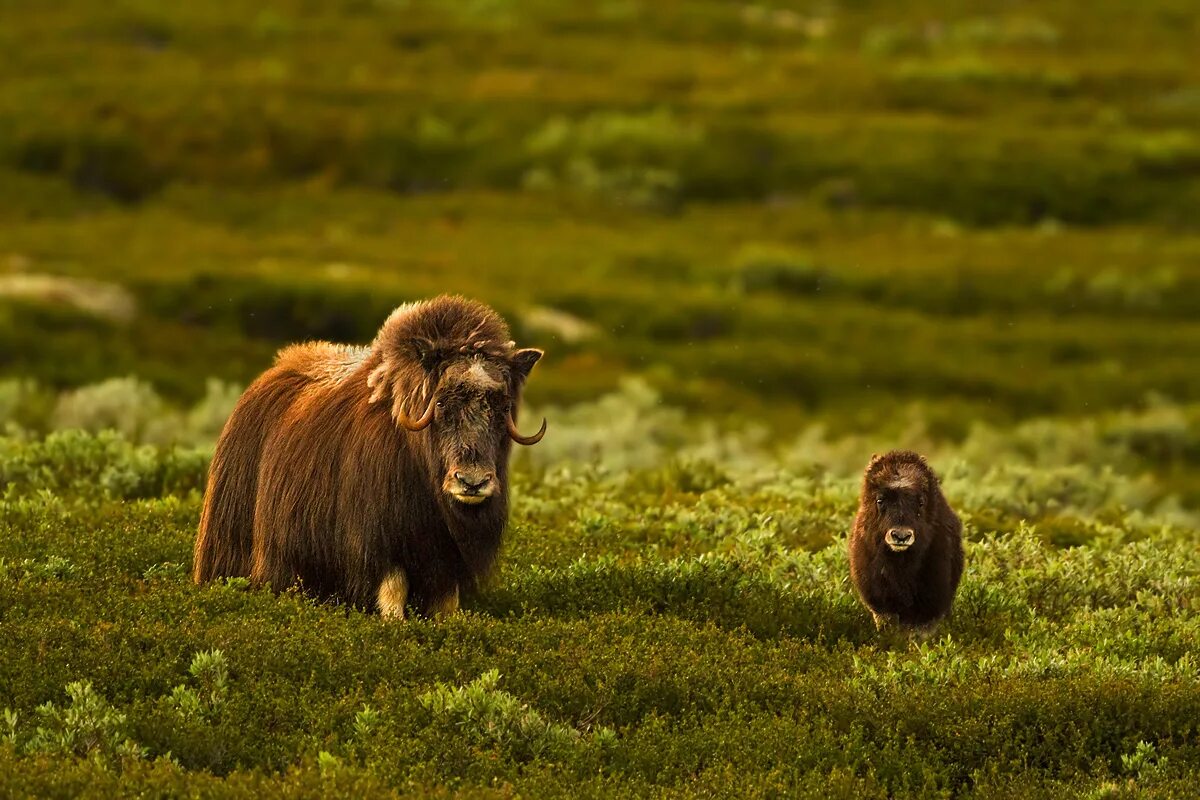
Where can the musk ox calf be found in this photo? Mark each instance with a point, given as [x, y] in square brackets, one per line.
[906, 553]
[375, 476]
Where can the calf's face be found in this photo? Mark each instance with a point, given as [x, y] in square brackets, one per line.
[897, 494]
[900, 513]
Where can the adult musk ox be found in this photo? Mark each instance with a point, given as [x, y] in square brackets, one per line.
[375, 476]
[906, 554]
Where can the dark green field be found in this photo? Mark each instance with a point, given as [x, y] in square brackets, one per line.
[758, 242]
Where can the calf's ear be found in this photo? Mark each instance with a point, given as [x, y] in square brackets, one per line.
[523, 361]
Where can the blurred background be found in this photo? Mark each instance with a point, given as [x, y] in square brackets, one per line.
[863, 215]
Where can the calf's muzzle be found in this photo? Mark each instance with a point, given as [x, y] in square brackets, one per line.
[899, 538]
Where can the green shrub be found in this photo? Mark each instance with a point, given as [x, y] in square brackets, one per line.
[74, 462]
[211, 673]
[628, 158]
[966, 34]
[88, 728]
[24, 404]
[774, 268]
[278, 312]
[483, 712]
[126, 405]
[112, 162]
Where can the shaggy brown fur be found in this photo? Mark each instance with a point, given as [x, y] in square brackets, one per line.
[319, 479]
[906, 553]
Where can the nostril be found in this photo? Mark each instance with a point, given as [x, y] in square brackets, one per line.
[472, 486]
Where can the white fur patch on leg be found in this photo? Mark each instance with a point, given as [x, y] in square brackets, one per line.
[393, 593]
[445, 605]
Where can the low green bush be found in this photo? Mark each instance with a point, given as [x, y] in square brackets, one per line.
[760, 267]
[490, 716]
[113, 162]
[261, 308]
[88, 728]
[74, 462]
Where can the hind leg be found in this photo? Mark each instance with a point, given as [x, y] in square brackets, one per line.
[445, 605]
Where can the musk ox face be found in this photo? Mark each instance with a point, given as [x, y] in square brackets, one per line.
[468, 433]
[469, 421]
[898, 490]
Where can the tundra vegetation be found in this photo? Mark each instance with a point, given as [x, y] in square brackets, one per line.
[759, 243]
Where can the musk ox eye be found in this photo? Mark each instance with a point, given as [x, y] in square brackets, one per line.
[879, 501]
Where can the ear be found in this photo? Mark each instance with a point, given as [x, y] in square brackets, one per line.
[392, 361]
[523, 361]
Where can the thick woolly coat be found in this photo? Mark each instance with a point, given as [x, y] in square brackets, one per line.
[915, 587]
[313, 482]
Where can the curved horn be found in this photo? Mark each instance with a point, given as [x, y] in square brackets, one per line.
[420, 424]
[526, 440]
